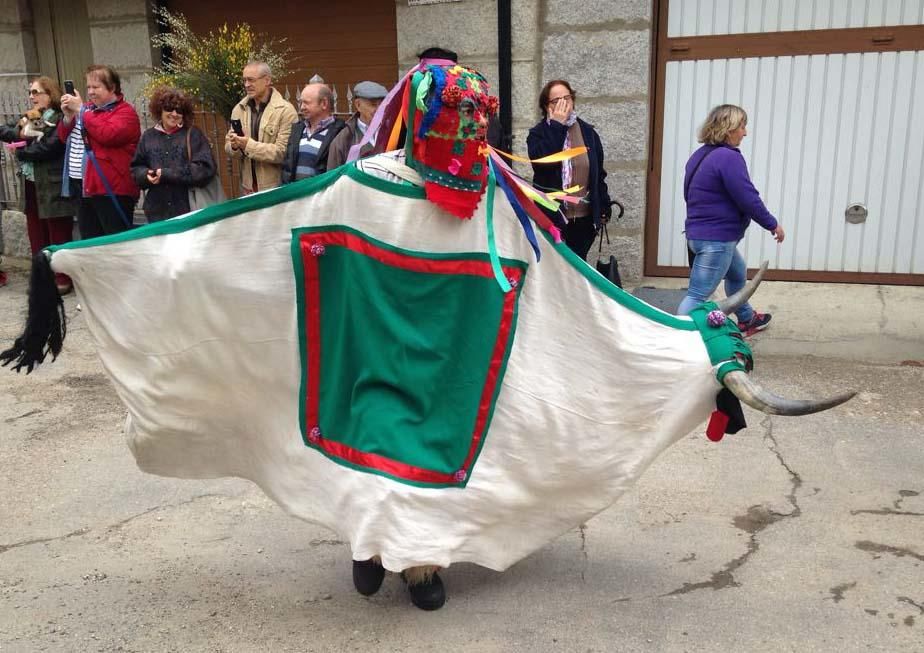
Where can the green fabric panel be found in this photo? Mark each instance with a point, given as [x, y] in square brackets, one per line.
[727, 349]
[404, 358]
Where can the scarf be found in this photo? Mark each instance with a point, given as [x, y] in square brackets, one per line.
[567, 170]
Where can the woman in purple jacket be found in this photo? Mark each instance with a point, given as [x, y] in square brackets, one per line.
[721, 202]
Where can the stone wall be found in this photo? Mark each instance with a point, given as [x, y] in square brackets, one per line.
[601, 46]
[120, 34]
[18, 61]
[469, 27]
[14, 239]
[120, 31]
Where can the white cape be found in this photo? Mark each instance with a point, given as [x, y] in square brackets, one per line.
[196, 323]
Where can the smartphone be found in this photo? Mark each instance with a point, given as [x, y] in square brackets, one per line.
[69, 86]
[237, 126]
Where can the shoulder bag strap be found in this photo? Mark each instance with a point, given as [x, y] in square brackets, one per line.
[686, 187]
[108, 188]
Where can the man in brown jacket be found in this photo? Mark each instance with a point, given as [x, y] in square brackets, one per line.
[267, 120]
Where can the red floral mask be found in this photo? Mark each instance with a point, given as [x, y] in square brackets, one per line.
[450, 130]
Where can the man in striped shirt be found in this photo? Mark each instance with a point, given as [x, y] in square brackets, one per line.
[310, 138]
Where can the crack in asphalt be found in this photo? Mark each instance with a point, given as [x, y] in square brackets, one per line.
[86, 529]
[582, 529]
[896, 508]
[193, 499]
[905, 599]
[756, 519]
[41, 540]
[888, 511]
[10, 420]
[898, 552]
[883, 318]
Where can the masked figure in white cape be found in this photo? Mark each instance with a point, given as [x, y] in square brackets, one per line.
[395, 362]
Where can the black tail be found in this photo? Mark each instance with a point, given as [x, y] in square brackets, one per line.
[46, 323]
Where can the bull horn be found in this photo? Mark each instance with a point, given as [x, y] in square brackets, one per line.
[731, 304]
[766, 402]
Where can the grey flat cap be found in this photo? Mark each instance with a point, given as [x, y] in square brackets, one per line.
[370, 91]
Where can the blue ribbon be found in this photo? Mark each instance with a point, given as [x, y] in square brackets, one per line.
[524, 218]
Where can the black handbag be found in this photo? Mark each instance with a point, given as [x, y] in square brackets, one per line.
[608, 268]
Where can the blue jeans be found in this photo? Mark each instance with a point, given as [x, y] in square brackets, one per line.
[716, 260]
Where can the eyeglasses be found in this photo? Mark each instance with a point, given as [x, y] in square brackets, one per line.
[172, 109]
[563, 97]
[35, 91]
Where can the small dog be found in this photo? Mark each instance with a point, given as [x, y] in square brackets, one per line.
[32, 125]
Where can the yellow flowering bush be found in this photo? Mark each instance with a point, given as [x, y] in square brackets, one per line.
[209, 67]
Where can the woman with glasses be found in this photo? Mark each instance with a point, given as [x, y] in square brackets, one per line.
[560, 129]
[49, 217]
[172, 156]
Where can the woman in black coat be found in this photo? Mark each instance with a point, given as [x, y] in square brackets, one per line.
[172, 156]
[560, 129]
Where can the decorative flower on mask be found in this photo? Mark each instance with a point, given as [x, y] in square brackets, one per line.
[452, 95]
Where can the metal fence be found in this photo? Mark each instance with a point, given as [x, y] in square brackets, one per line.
[212, 124]
[12, 107]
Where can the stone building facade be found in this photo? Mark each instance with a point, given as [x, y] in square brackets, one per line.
[116, 32]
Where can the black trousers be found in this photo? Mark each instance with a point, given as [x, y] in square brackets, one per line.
[97, 215]
[579, 235]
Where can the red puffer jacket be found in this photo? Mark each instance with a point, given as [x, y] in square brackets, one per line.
[113, 132]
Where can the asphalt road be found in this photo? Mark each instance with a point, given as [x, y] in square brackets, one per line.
[798, 534]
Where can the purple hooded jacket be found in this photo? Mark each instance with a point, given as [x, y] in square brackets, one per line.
[721, 200]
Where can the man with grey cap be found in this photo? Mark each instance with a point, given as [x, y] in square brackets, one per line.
[366, 99]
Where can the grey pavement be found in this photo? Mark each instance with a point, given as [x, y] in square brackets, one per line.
[797, 534]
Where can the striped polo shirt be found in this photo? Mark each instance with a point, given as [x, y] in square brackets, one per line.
[75, 150]
[309, 146]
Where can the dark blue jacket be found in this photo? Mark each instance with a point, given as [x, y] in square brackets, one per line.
[548, 137]
[722, 201]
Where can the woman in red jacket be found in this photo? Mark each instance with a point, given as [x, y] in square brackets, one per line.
[110, 130]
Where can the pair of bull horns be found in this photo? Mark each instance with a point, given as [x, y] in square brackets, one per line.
[749, 391]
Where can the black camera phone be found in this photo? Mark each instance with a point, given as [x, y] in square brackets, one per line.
[237, 126]
[69, 86]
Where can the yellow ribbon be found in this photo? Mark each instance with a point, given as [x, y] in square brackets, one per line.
[557, 157]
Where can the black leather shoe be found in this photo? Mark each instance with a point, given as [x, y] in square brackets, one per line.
[430, 595]
[367, 576]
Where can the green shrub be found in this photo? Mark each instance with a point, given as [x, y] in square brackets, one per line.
[209, 67]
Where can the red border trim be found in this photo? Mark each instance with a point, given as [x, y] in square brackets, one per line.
[313, 326]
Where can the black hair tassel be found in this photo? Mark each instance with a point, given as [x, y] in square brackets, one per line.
[46, 322]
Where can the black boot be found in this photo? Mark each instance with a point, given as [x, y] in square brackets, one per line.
[367, 576]
[429, 595]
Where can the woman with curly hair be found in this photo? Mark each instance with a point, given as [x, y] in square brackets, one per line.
[172, 156]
